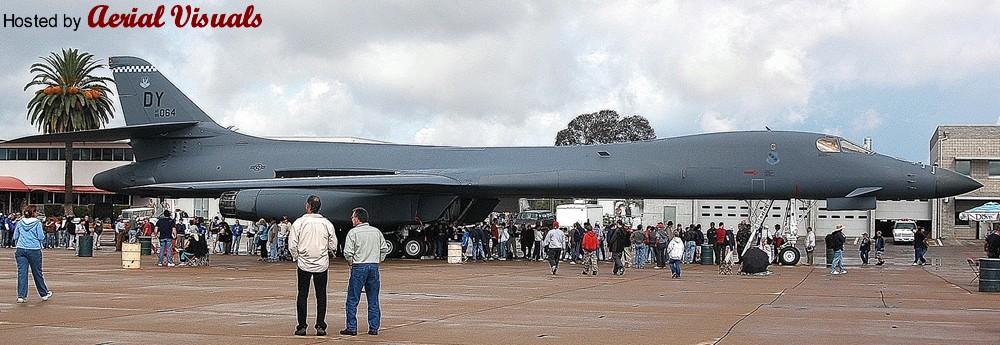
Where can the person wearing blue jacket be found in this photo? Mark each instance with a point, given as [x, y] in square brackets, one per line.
[28, 236]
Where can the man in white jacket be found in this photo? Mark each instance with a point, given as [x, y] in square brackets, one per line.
[312, 242]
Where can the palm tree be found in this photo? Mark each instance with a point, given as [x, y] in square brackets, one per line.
[71, 99]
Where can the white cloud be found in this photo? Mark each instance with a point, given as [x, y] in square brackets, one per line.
[713, 122]
[868, 120]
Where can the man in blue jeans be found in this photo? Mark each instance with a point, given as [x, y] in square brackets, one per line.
[838, 239]
[167, 230]
[364, 248]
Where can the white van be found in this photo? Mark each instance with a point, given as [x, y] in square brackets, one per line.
[903, 230]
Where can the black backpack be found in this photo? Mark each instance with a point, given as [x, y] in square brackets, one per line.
[829, 241]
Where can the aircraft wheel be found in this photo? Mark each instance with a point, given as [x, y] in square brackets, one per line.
[393, 243]
[788, 256]
[414, 248]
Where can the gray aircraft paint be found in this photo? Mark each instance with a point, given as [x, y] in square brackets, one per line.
[181, 152]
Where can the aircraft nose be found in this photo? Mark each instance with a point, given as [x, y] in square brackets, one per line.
[950, 183]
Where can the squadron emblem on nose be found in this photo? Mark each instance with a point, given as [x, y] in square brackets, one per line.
[772, 158]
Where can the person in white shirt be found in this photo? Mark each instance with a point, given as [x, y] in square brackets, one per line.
[810, 245]
[364, 249]
[553, 244]
[675, 251]
[312, 241]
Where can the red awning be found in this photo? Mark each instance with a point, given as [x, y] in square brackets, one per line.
[76, 189]
[12, 184]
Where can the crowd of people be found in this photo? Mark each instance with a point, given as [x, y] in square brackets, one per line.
[659, 246]
[492, 240]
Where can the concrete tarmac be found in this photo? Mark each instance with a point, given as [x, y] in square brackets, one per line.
[238, 300]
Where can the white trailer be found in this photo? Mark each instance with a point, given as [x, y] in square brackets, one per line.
[568, 214]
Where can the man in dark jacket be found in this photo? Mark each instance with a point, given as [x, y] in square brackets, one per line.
[993, 245]
[919, 246]
[576, 239]
[617, 241]
[837, 240]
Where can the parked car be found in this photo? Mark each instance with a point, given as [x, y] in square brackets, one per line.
[535, 217]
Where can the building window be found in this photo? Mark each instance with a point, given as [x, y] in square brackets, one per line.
[994, 168]
[963, 167]
[201, 207]
[36, 197]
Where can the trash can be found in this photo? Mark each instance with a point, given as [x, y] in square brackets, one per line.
[829, 257]
[146, 245]
[707, 254]
[86, 246]
[454, 252]
[989, 275]
[130, 255]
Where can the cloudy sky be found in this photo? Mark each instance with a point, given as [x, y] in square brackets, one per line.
[515, 73]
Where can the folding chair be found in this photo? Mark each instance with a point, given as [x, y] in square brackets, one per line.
[974, 264]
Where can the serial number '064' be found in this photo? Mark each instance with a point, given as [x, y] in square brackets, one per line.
[164, 112]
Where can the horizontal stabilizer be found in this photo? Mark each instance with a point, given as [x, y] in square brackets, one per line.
[337, 182]
[107, 134]
[851, 204]
[862, 191]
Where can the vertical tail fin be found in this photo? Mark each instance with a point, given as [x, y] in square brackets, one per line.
[147, 97]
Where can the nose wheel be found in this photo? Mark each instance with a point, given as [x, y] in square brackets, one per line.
[788, 256]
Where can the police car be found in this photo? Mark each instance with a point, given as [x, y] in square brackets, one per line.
[902, 231]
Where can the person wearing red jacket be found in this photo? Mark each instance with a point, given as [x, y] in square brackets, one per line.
[720, 242]
[590, 245]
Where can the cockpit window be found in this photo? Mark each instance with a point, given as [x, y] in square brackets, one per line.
[828, 145]
[852, 147]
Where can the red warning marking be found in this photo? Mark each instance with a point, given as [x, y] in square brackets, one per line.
[751, 172]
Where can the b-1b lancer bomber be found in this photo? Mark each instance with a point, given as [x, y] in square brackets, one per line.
[181, 152]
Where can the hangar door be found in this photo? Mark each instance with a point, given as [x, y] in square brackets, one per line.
[855, 222]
